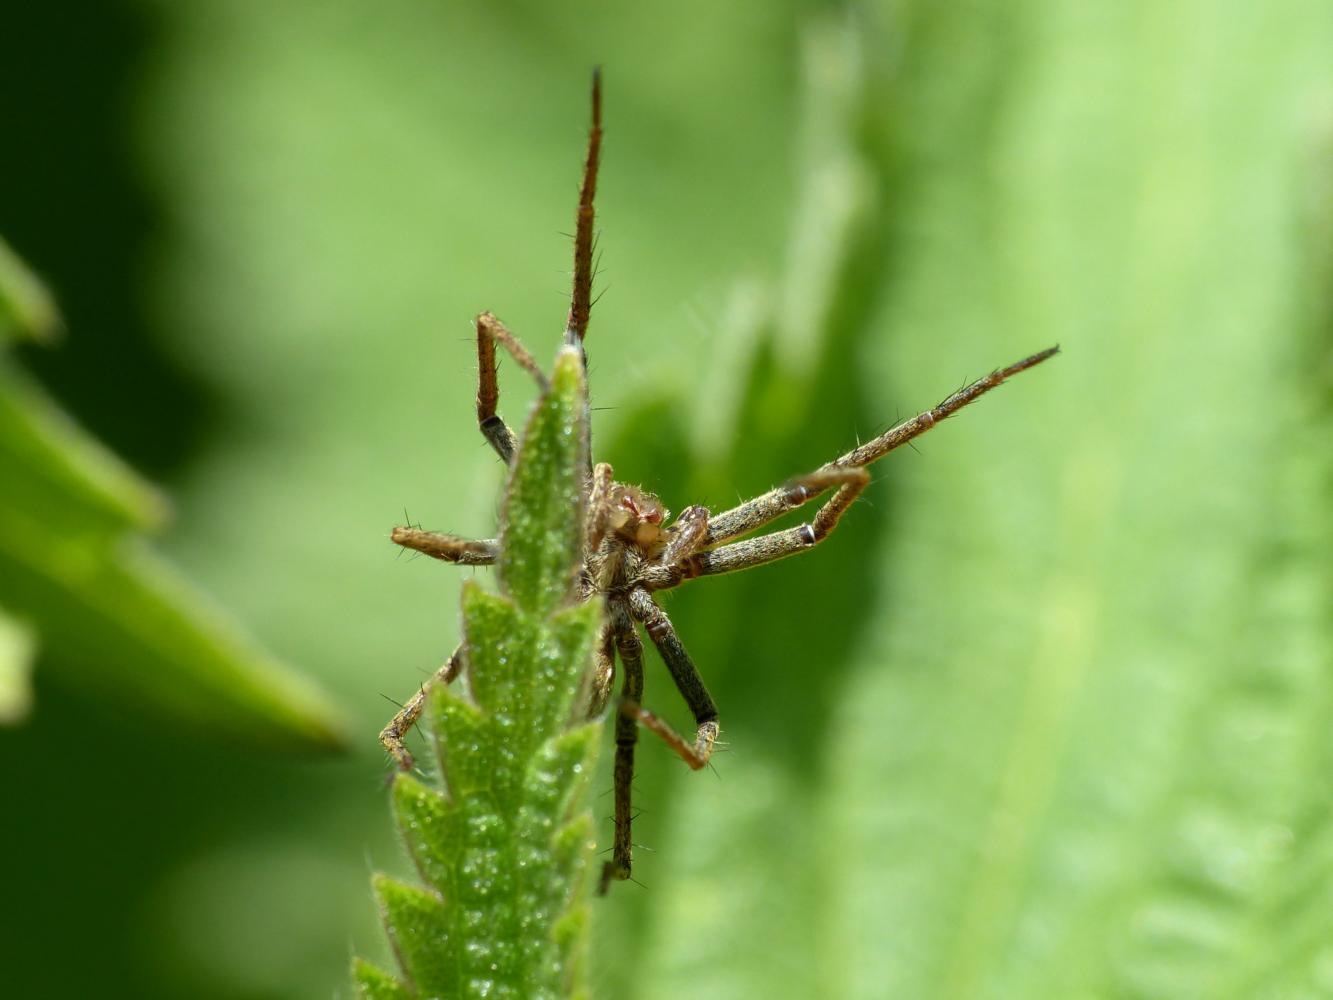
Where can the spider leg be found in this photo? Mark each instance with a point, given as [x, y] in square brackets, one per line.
[391, 736]
[604, 671]
[491, 331]
[778, 544]
[755, 513]
[688, 682]
[581, 302]
[447, 548]
[630, 649]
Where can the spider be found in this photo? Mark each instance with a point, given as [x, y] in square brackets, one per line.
[633, 549]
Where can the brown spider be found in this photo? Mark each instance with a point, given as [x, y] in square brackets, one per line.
[631, 550]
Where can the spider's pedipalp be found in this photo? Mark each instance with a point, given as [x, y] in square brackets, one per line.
[599, 505]
[686, 534]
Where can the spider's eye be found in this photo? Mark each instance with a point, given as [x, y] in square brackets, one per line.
[653, 516]
[628, 503]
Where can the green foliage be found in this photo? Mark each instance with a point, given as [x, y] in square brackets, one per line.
[26, 308]
[504, 847]
[77, 579]
[1048, 717]
[1058, 720]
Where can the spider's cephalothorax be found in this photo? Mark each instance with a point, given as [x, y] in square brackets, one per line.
[634, 549]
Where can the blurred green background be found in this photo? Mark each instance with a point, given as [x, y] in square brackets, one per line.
[1050, 715]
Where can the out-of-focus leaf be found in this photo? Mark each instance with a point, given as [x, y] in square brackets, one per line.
[110, 614]
[26, 307]
[57, 472]
[504, 847]
[16, 651]
[1053, 720]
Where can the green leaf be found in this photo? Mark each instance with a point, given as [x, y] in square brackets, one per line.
[1054, 718]
[17, 646]
[111, 616]
[505, 846]
[542, 524]
[26, 307]
[374, 983]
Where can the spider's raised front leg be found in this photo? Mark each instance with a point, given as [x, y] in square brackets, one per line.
[391, 736]
[580, 305]
[766, 507]
[630, 649]
[491, 331]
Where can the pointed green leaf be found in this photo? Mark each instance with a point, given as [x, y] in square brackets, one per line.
[373, 983]
[506, 847]
[112, 616]
[17, 646]
[541, 524]
[26, 307]
[422, 935]
[56, 472]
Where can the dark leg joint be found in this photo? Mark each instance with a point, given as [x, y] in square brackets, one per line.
[798, 493]
[494, 430]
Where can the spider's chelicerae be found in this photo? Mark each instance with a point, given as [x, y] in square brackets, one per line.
[633, 549]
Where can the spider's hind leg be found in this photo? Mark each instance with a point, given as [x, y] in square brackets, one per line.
[644, 610]
[688, 682]
[630, 649]
[391, 736]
